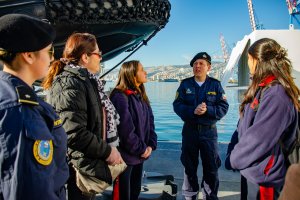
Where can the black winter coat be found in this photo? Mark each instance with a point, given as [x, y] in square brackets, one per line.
[75, 98]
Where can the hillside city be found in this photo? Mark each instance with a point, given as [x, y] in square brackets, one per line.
[172, 73]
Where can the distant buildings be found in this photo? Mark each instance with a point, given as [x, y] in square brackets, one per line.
[172, 72]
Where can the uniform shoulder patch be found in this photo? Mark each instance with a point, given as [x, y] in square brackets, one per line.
[57, 122]
[43, 151]
[176, 95]
[26, 95]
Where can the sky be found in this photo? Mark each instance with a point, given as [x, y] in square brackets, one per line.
[196, 25]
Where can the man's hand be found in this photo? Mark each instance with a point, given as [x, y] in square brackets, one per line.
[114, 157]
[200, 109]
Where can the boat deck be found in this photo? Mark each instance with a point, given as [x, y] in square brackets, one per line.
[166, 160]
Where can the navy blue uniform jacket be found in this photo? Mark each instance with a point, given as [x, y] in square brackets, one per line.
[189, 95]
[33, 145]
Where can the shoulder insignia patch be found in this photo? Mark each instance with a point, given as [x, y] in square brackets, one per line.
[211, 93]
[57, 122]
[26, 95]
[176, 95]
[43, 151]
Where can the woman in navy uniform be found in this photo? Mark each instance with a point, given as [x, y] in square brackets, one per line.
[200, 102]
[268, 121]
[33, 143]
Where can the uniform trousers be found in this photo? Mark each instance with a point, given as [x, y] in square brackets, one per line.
[201, 139]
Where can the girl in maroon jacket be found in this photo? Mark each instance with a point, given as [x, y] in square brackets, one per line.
[136, 129]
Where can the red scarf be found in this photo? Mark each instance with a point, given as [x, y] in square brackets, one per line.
[267, 80]
[129, 92]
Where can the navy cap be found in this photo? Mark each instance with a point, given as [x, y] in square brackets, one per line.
[201, 55]
[22, 33]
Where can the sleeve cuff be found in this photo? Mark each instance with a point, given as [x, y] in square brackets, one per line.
[211, 111]
[107, 152]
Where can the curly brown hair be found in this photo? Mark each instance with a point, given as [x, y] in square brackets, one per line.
[271, 60]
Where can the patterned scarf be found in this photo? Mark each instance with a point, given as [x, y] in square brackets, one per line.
[112, 117]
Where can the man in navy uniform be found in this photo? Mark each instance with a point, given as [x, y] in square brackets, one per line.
[33, 143]
[200, 101]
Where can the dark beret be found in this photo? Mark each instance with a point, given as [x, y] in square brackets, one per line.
[201, 55]
[22, 33]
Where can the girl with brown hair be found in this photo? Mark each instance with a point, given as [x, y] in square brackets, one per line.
[268, 122]
[77, 96]
[136, 129]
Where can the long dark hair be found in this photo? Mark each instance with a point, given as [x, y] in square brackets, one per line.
[76, 45]
[271, 60]
[126, 79]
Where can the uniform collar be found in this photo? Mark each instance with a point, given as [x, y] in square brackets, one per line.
[267, 80]
[14, 80]
[195, 82]
[203, 81]
[25, 93]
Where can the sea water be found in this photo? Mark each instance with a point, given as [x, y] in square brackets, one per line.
[168, 125]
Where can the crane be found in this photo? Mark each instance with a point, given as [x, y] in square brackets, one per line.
[255, 25]
[225, 52]
[294, 9]
[224, 48]
[217, 71]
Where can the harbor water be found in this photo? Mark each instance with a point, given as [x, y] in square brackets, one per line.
[168, 125]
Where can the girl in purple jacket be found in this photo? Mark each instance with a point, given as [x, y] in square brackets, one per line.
[136, 129]
[268, 117]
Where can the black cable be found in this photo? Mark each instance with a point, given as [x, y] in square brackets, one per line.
[144, 42]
